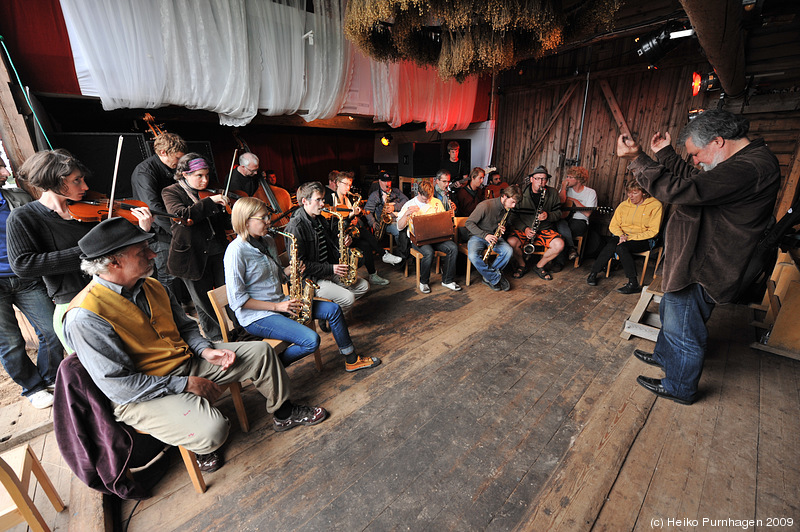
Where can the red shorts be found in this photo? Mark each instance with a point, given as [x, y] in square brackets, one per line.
[542, 240]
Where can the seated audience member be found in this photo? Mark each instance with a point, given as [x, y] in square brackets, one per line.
[536, 229]
[575, 193]
[30, 296]
[160, 374]
[365, 241]
[318, 249]
[388, 200]
[196, 250]
[634, 227]
[469, 196]
[253, 280]
[483, 225]
[424, 203]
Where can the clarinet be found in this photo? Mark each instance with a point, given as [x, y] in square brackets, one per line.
[529, 248]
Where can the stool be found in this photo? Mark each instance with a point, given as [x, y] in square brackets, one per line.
[16, 505]
[418, 257]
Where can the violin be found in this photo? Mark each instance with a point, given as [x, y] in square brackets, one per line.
[231, 195]
[96, 210]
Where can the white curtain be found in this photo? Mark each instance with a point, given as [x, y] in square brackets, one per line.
[240, 57]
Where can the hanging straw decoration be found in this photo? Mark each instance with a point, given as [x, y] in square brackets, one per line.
[464, 37]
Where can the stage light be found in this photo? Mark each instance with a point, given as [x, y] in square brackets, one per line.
[386, 139]
[659, 43]
[694, 113]
[706, 83]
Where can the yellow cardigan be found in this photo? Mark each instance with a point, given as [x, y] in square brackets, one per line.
[639, 222]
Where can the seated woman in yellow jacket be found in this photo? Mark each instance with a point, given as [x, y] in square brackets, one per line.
[634, 227]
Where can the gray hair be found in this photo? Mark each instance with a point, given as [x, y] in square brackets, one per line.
[97, 266]
[247, 158]
[714, 123]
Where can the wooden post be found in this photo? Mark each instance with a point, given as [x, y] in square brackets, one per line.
[16, 138]
[789, 191]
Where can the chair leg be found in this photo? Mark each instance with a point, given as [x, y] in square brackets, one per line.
[579, 250]
[469, 269]
[238, 404]
[190, 460]
[45, 482]
[608, 268]
[644, 267]
[418, 261]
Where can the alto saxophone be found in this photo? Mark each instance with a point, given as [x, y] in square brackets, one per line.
[530, 248]
[501, 228]
[346, 255]
[300, 289]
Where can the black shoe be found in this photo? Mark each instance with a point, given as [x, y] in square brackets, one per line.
[301, 415]
[654, 385]
[323, 325]
[210, 462]
[592, 279]
[647, 358]
[505, 286]
[631, 287]
[495, 287]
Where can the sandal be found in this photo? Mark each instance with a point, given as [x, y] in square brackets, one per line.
[543, 274]
[519, 272]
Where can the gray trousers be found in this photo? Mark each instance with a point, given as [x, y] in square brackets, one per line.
[190, 420]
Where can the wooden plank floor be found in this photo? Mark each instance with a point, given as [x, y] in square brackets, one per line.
[500, 411]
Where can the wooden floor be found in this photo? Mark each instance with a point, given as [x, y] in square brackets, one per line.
[506, 411]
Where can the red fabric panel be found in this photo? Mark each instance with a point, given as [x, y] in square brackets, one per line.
[36, 37]
[482, 99]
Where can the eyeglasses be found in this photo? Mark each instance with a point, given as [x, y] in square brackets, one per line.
[262, 218]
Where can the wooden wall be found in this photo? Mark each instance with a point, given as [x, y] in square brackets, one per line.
[649, 101]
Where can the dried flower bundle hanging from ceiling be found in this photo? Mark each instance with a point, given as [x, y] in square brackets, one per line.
[463, 37]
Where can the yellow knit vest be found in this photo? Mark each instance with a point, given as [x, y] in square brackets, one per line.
[154, 344]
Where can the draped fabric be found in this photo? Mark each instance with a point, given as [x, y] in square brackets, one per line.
[242, 57]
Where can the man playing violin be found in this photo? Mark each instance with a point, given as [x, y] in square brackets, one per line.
[535, 223]
[42, 236]
[149, 178]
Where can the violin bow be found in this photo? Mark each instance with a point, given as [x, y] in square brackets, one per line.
[230, 174]
[114, 180]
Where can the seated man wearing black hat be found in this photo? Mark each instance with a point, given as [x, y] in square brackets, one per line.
[386, 200]
[160, 374]
[534, 225]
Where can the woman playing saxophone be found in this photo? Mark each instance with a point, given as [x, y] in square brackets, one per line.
[254, 278]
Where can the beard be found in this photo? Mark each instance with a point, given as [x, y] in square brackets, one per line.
[718, 158]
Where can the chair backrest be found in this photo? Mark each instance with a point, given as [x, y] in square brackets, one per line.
[219, 300]
[460, 222]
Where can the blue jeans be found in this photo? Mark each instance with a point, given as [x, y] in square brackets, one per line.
[449, 248]
[304, 339]
[681, 344]
[477, 246]
[30, 296]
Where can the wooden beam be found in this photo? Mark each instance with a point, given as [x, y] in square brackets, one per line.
[613, 106]
[543, 134]
[16, 138]
[788, 192]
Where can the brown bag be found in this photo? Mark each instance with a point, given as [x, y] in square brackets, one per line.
[431, 228]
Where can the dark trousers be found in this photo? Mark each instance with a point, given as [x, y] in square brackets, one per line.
[624, 250]
[213, 276]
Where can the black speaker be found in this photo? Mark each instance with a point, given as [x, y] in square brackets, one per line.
[98, 151]
[418, 159]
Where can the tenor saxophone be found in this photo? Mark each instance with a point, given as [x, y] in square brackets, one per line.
[386, 219]
[501, 228]
[300, 289]
[347, 255]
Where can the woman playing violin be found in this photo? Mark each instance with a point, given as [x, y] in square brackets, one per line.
[196, 250]
[43, 236]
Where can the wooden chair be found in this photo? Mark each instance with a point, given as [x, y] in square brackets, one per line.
[646, 255]
[190, 461]
[219, 300]
[579, 249]
[463, 248]
[16, 506]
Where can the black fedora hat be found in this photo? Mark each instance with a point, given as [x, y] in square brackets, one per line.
[109, 236]
[540, 170]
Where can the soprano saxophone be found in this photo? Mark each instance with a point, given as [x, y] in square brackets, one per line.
[347, 255]
[300, 289]
[501, 228]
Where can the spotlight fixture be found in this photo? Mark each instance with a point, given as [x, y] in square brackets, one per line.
[694, 113]
[709, 82]
[659, 43]
[387, 139]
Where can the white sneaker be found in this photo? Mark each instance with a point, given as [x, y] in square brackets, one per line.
[394, 260]
[425, 289]
[452, 286]
[41, 399]
[376, 279]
